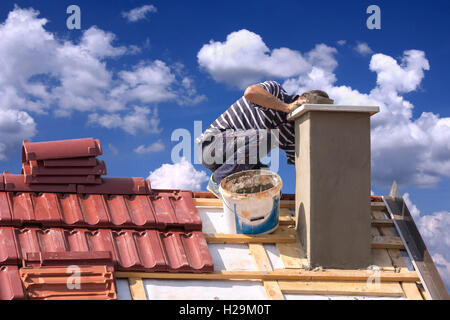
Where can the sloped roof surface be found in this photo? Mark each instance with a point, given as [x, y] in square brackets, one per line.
[61, 206]
[160, 210]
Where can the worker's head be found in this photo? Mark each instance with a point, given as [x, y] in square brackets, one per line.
[316, 97]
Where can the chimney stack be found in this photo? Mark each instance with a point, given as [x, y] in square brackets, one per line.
[332, 197]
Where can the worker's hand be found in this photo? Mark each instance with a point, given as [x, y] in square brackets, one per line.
[297, 103]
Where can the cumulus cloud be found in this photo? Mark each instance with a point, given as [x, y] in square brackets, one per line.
[140, 13]
[411, 151]
[363, 49]
[154, 147]
[181, 175]
[140, 119]
[434, 230]
[341, 42]
[42, 74]
[113, 149]
[15, 126]
[156, 82]
[244, 59]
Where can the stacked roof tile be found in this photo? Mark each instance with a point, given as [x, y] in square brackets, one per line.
[55, 209]
[36, 170]
[68, 276]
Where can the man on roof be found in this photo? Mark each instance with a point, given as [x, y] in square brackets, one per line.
[256, 123]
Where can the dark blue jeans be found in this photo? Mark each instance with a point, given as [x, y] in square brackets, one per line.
[232, 151]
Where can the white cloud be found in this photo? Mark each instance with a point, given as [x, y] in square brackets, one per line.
[404, 77]
[15, 126]
[42, 73]
[434, 230]
[341, 42]
[154, 147]
[140, 119]
[113, 149]
[363, 48]
[149, 82]
[140, 13]
[181, 175]
[99, 43]
[244, 59]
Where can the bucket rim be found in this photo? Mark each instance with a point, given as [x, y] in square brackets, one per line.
[229, 194]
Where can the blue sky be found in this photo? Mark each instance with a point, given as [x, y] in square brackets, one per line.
[177, 31]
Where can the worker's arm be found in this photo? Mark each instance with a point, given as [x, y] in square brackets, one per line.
[263, 98]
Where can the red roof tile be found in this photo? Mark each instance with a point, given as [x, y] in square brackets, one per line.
[10, 283]
[69, 162]
[64, 180]
[118, 186]
[161, 210]
[9, 253]
[67, 258]
[131, 250]
[53, 216]
[94, 282]
[175, 209]
[16, 183]
[34, 168]
[60, 149]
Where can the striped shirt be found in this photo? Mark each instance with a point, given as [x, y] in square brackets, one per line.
[246, 115]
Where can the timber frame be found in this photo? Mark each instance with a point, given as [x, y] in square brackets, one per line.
[393, 278]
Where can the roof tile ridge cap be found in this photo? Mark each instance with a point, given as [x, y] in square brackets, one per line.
[47, 149]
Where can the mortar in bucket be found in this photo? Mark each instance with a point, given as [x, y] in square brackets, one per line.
[252, 199]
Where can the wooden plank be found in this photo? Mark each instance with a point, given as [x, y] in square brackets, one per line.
[360, 288]
[386, 242]
[382, 222]
[217, 203]
[410, 289]
[242, 238]
[283, 274]
[284, 220]
[375, 205]
[380, 257]
[263, 264]
[214, 202]
[286, 212]
[292, 255]
[282, 235]
[208, 202]
[137, 288]
[395, 255]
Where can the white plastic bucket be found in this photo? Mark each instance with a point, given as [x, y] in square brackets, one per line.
[252, 199]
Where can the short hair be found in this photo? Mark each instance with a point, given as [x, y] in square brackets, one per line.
[317, 97]
[315, 92]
